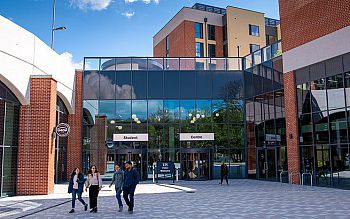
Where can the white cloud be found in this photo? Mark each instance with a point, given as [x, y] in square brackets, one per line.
[146, 1]
[68, 57]
[156, 1]
[128, 14]
[130, 1]
[95, 5]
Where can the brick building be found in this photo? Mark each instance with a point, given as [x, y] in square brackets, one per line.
[208, 31]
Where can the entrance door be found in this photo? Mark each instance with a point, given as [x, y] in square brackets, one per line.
[136, 156]
[196, 164]
[267, 164]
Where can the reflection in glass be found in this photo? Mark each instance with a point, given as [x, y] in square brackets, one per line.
[91, 85]
[139, 84]
[171, 111]
[203, 111]
[318, 92]
[123, 111]
[155, 111]
[187, 111]
[335, 92]
[90, 110]
[107, 108]
[139, 114]
[123, 88]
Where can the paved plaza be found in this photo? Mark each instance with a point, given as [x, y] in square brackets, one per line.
[205, 199]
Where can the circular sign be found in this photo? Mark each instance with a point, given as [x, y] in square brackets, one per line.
[62, 129]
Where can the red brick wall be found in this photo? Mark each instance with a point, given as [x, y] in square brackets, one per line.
[182, 40]
[219, 41]
[291, 125]
[307, 20]
[159, 49]
[98, 149]
[75, 122]
[36, 150]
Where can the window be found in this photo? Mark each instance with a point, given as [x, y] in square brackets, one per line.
[199, 50]
[167, 46]
[199, 30]
[254, 47]
[253, 30]
[211, 50]
[211, 32]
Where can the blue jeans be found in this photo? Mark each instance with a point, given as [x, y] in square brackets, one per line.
[118, 191]
[74, 194]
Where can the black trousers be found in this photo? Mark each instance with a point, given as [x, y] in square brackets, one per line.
[93, 194]
[222, 178]
[128, 195]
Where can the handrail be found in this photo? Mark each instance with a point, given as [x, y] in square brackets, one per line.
[281, 173]
[294, 174]
[302, 178]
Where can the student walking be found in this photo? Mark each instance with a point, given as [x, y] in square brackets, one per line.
[94, 183]
[131, 179]
[118, 180]
[224, 172]
[76, 187]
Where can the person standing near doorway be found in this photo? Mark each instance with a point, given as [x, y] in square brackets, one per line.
[76, 187]
[131, 179]
[94, 183]
[224, 172]
[118, 180]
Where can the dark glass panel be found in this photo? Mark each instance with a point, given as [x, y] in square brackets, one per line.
[139, 111]
[234, 111]
[234, 85]
[187, 84]
[338, 126]
[139, 85]
[123, 88]
[304, 98]
[155, 111]
[218, 111]
[91, 85]
[123, 111]
[155, 84]
[347, 88]
[204, 84]
[107, 85]
[219, 82]
[171, 84]
[187, 111]
[320, 121]
[203, 111]
[171, 111]
[90, 110]
[107, 108]
[318, 95]
[306, 129]
[335, 92]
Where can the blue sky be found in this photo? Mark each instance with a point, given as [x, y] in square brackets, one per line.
[108, 27]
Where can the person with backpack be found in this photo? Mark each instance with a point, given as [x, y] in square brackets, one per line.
[224, 172]
[131, 179]
[94, 183]
[76, 187]
[118, 180]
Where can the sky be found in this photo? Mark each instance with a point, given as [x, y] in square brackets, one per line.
[108, 27]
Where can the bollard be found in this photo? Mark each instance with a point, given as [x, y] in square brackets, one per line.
[177, 174]
[153, 175]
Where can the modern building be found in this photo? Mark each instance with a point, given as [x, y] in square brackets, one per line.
[136, 109]
[316, 69]
[36, 86]
[269, 114]
[208, 31]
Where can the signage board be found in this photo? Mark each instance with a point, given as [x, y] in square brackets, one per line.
[62, 129]
[196, 136]
[272, 137]
[165, 167]
[130, 137]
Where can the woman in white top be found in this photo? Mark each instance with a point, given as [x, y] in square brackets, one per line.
[94, 183]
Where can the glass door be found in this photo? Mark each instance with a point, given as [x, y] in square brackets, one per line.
[136, 156]
[195, 165]
[267, 164]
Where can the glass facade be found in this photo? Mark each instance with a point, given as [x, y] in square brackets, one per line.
[163, 103]
[265, 120]
[199, 30]
[323, 111]
[9, 126]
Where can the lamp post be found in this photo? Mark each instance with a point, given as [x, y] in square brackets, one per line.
[53, 29]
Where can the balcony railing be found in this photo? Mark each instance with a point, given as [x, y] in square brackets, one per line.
[158, 64]
[263, 55]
